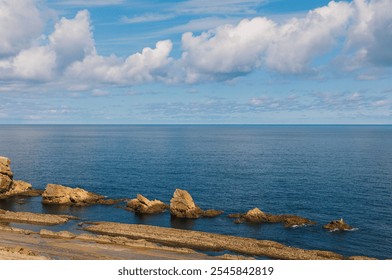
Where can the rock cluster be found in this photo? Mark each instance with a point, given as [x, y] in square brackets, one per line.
[58, 194]
[183, 206]
[337, 225]
[256, 216]
[143, 205]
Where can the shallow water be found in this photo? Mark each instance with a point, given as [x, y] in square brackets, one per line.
[319, 172]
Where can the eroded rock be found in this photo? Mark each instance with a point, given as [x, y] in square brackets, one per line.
[183, 206]
[58, 194]
[143, 205]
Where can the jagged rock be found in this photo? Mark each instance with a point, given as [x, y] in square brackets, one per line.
[257, 216]
[5, 167]
[337, 225]
[58, 194]
[183, 206]
[52, 234]
[6, 174]
[143, 205]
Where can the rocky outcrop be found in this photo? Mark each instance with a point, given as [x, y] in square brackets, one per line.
[256, 216]
[210, 242]
[337, 225]
[58, 194]
[33, 218]
[183, 206]
[10, 187]
[6, 174]
[143, 205]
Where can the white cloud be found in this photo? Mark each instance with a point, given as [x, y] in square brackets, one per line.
[218, 7]
[371, 32]
[20, 24]
[90, 3]
[286, 48]
[72, 39]
[141, 67]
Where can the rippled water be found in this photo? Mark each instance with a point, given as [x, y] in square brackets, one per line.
[319, 172]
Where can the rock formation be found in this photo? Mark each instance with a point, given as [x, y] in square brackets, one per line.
[34, 218]
[183, 206]
[58, 194]
[10, 187]
[6, 174]
[337, 225]
[256, 216]
[210, 242]
[143, 205]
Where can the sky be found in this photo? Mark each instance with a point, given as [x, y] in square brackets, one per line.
[195, 62]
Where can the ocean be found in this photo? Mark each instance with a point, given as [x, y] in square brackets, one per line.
[320, 172]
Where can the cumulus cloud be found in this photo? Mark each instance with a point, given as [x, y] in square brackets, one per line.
[286, 48]
[141, 67]
[15, 14]
[360, 31]
[371, 33]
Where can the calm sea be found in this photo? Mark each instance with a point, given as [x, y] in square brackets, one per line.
[319, 172]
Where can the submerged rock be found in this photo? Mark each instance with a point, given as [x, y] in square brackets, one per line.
[183, 206]
[58, 194]
[337, 225]
[256, 216]
[143, 205]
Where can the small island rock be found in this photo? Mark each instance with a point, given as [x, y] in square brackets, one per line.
[337, 225]
[143, 205]
[58, 194]
[183, 206]
[256, 216]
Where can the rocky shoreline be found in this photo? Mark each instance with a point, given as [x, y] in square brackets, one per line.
[181, 206]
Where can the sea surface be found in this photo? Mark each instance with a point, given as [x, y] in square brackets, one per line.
[319, 172]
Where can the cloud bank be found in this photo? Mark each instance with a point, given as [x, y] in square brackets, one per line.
[359, 33]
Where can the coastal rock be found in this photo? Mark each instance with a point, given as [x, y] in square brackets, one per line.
[6, 174]
[256, 216]
[337, 225]
[33, 218]
[211, 213]
[183, 206]
[58, 194]
[5, 168]
[210, 242]
[5, 183]
[143, 205]
[18, 187]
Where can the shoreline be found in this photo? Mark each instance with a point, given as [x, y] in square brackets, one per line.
[108, 240]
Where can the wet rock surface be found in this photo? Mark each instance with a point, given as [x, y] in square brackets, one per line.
[210, 242]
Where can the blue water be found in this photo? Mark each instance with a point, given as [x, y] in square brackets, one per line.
[319, 172]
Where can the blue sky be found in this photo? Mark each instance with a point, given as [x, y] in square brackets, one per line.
[195, 61]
